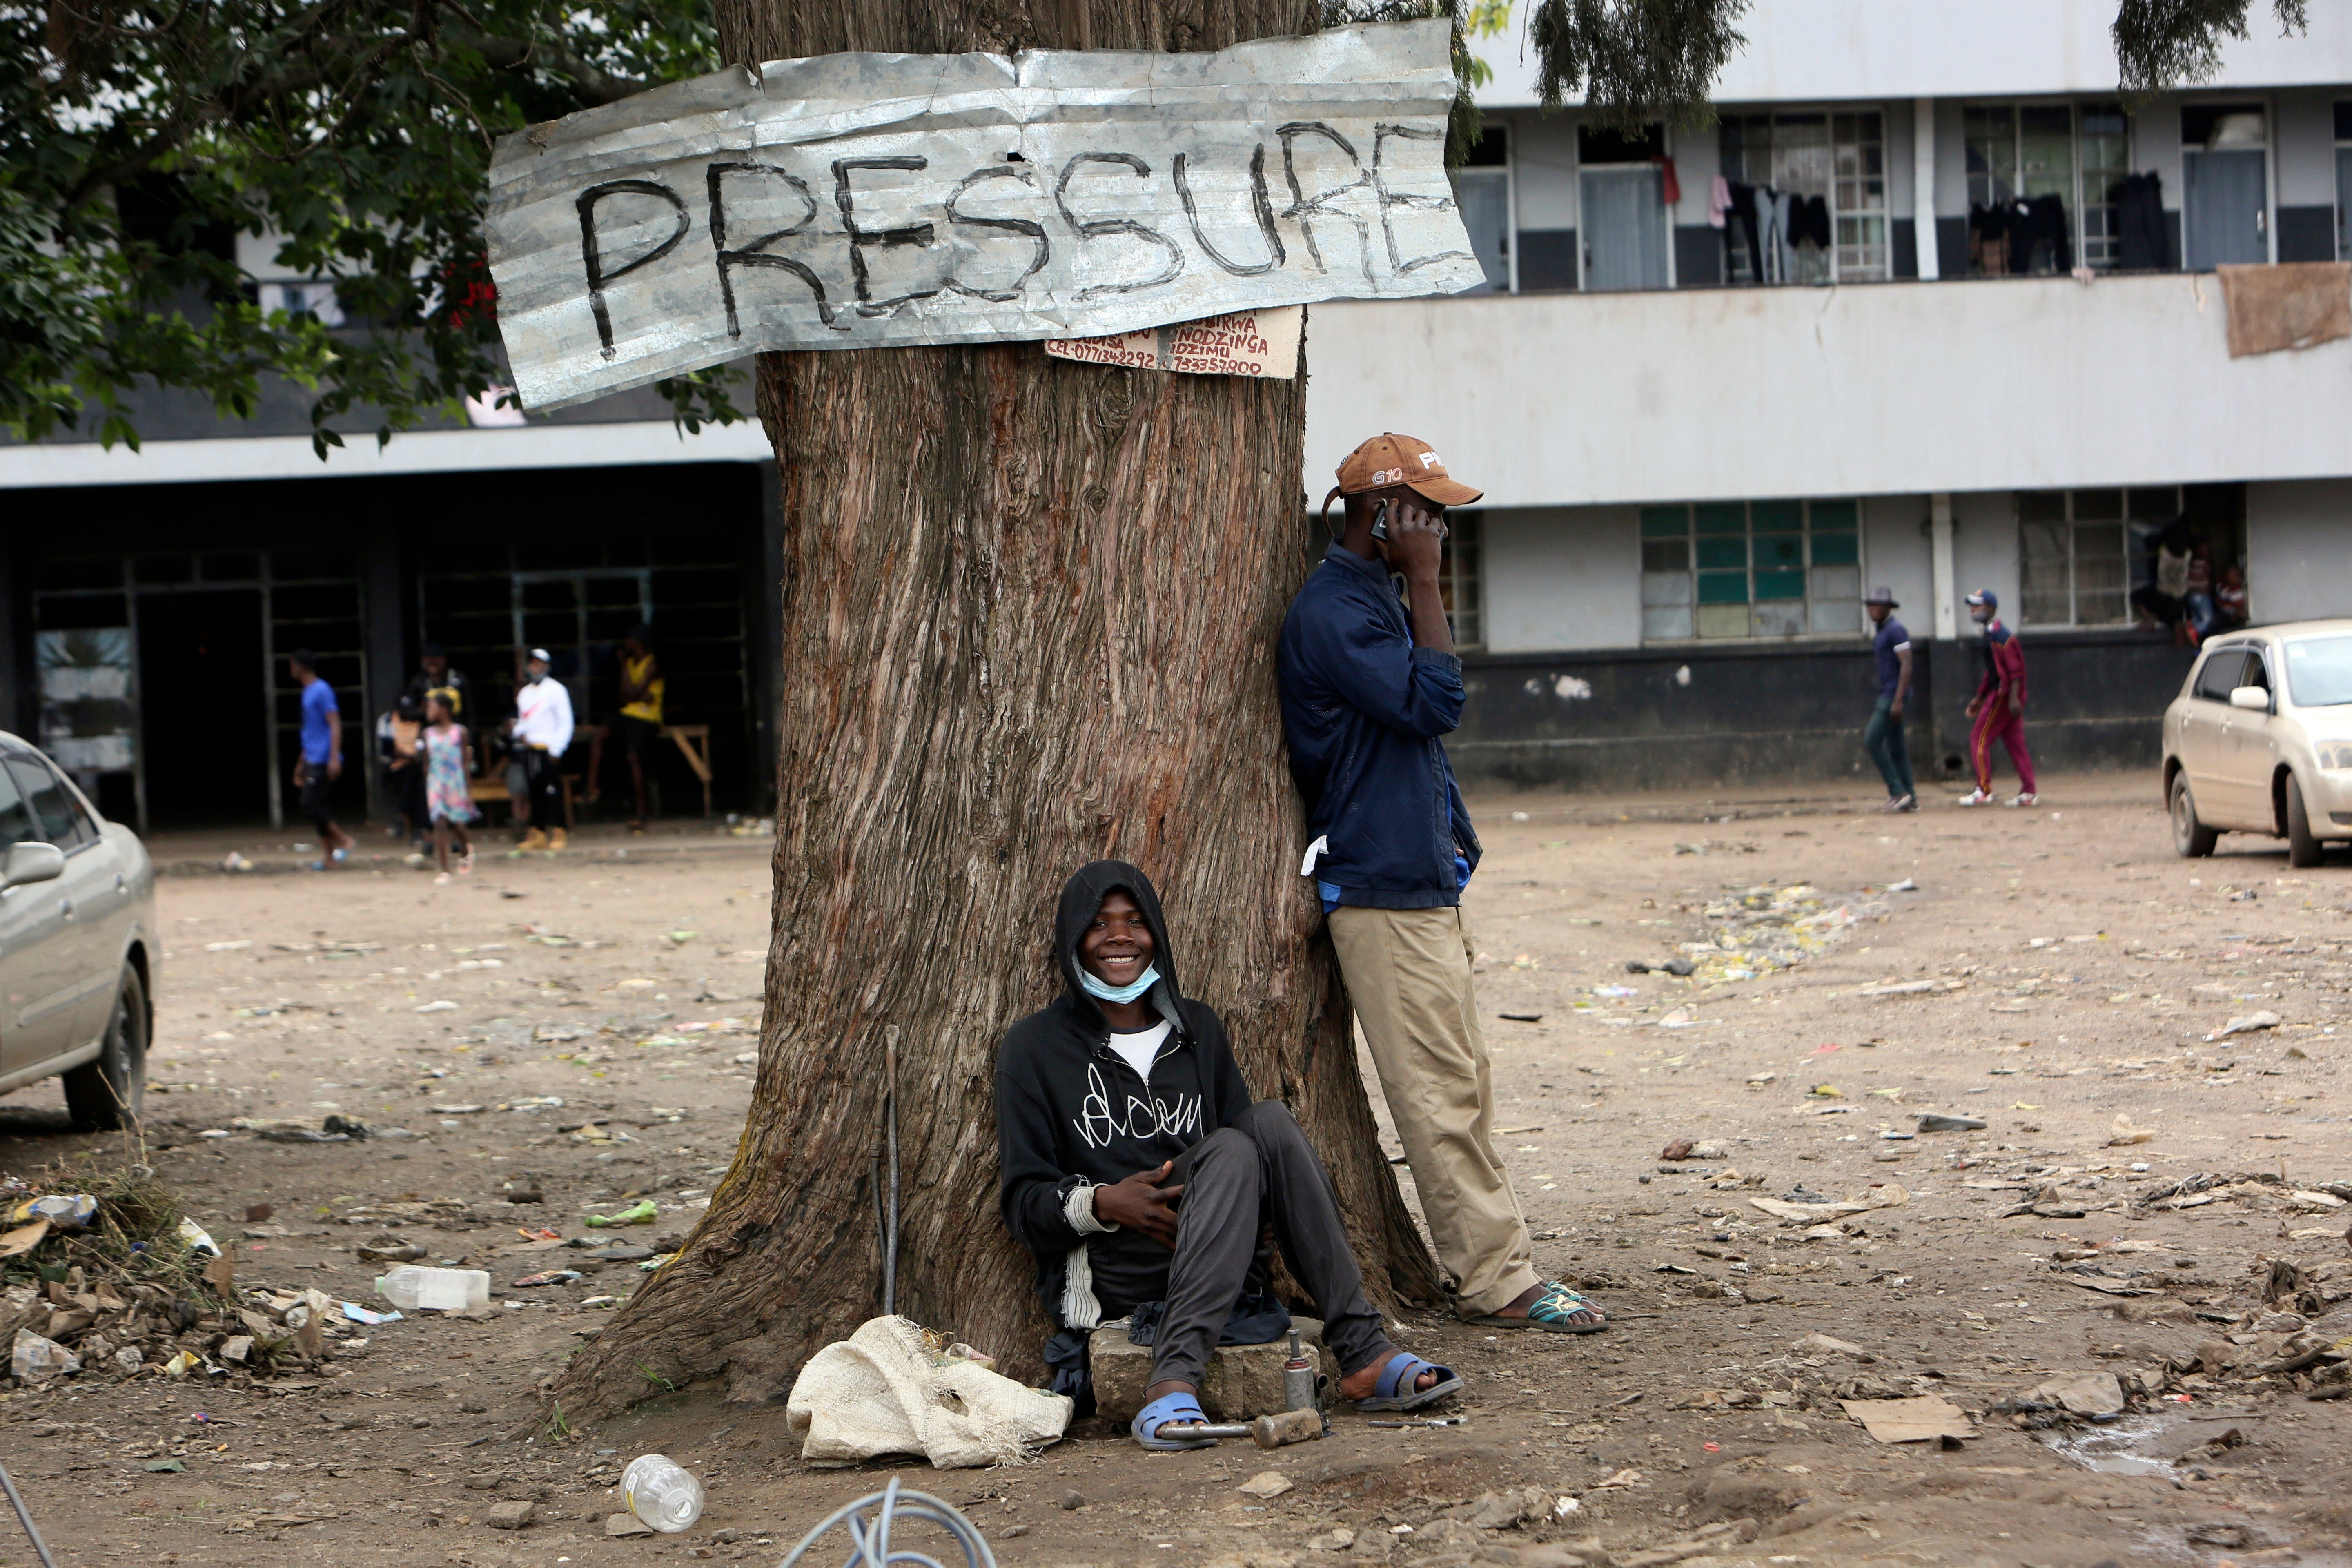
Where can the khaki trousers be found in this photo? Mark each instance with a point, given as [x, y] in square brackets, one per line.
[1408, 974]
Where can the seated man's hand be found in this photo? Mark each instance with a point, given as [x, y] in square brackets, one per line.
[1141, 1203]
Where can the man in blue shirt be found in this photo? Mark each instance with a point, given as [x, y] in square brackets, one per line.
[1368, 687]
[321, 761]
[1883, 737]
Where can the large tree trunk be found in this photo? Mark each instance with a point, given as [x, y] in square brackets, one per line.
[1030, 608]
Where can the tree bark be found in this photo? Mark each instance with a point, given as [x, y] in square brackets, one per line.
[1029, 609]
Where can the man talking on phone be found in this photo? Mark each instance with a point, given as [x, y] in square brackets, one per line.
[1367, 686]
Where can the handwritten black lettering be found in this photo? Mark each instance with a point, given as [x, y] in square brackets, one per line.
[859, 239]
[1306, 211]
[592, 254]
[1260, 203]
[754, 252]
[1099, 227]
[1035, 231]
[1380, 134]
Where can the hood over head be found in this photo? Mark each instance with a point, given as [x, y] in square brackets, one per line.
[1082, 895]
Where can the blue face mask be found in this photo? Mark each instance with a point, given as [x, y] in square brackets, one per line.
[1106, 992]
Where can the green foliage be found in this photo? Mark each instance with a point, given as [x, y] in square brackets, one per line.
[136, 144]
[2169, 43]
[1633, 61]
[1470, 73]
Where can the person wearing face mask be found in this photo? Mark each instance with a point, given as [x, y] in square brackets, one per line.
[1999, 705]
[1367, 686]
[1137, 1170]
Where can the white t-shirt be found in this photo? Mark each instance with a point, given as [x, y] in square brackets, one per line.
[1139, 1049]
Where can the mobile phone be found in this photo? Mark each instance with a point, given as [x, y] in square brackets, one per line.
[1381, 521]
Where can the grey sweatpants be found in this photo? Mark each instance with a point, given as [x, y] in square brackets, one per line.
[1260, 1167]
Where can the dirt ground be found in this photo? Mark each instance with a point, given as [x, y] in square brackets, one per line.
[2055, 975]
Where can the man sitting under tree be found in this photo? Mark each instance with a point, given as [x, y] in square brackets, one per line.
[1139, 1172]
[1367, 690]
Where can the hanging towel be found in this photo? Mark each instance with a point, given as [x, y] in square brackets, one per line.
[1718, 201]
[2292, 305]
[1669, 188]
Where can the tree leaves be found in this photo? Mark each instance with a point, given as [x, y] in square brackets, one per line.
[1633, 60]
[2172, 43]
[144, 152]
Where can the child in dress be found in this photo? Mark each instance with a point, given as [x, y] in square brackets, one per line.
[447, 800]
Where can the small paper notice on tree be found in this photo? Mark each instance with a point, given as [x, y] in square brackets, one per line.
[880, 201]
[1262, 343]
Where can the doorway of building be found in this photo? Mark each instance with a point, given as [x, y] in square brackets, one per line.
[203, 717]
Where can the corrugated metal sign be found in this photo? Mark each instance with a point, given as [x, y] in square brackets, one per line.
[862, 200]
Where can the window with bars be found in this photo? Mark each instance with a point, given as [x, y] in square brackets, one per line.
[1838, 157]
[1750, 569]
[1459, 580]
[2019, 151]
[2073, 551]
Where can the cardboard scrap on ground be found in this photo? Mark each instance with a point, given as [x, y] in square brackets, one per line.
[23, 1239]
[1886, 1196]
[1263, 343]
[1909, 1420]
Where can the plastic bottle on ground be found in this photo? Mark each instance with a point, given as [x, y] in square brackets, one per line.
[661, 1493]
[411, 1288]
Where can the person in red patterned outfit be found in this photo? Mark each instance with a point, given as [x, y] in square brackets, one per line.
[1999, 705]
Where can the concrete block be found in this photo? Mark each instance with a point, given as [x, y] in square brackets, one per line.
[1242, 1381]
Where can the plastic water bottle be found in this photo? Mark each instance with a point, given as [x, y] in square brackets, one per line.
[410, 1289]
[660, 1492]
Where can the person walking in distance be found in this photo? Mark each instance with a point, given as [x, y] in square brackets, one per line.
[1368, 687]
[542, 730]
[1883, 737]
[1999, 705]
[449, 798]
[321, 761]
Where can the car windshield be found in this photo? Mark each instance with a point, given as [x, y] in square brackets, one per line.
[2320, 671]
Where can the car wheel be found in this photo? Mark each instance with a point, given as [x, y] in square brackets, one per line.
[2190, 838]
[2302, 848]
[107, 1093]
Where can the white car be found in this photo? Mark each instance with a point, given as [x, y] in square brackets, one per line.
[78, 945]
[2260, 740]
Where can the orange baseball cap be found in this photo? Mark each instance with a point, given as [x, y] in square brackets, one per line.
[1393, 459]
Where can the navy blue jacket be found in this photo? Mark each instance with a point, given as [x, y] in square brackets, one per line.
[1362, 709]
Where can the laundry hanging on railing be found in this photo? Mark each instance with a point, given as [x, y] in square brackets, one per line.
[1772, 224]
[2014, 238]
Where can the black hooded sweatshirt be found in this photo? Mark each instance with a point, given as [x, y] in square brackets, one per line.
[1070, 1111]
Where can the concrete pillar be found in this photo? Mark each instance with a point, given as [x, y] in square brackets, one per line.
[1923, 190]
[12, 664]
[384, 661]
[1939, 545]
[767, 655]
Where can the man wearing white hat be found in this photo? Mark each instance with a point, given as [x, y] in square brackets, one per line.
[542, 730]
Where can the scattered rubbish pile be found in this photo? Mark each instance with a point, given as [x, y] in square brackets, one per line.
[116, 1282]
[1756, 930]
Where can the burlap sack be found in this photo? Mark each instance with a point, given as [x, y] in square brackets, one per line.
[890, 1389]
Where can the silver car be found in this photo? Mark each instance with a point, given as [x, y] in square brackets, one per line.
[77, 946]
[2260, 740]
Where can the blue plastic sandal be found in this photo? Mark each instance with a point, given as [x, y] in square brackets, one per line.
[1164, 1410]
[1394, 1390]
[1557, 1310]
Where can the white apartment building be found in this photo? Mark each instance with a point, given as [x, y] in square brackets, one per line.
[1695, 466]
[1968, 336]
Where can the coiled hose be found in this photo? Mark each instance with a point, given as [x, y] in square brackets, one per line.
[870, 1539]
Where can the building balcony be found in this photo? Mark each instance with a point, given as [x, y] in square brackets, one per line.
[1891, 388]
